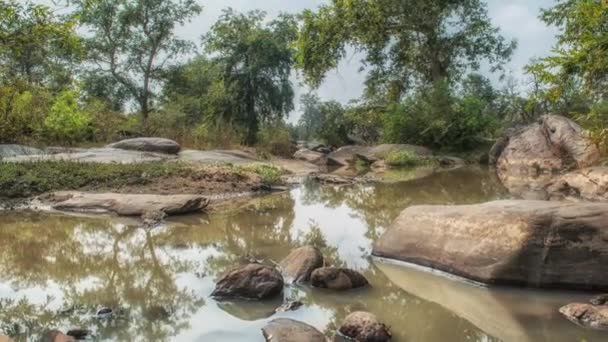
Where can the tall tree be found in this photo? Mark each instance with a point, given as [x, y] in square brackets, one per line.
[582, 47]
[257, 59]
[36, 46]
[406, 42]
[134, 41]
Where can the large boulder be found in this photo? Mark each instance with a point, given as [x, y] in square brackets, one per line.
[590, 184]
[335, 278]
[11, 150]
[300, 263]
[252, 281]
[310, 156]
[528, 243]
[533, 154]
[289, 330]
[364, 327]
[126, 204]
[587, 315]
[347, 155]
[157, 145]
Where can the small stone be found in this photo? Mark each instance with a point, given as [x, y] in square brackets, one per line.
[289, 306]
[599, 299]
[337, 278]
[364, 327]
[252, 281]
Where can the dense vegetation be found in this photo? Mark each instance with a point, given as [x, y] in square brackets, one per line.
[109, 69]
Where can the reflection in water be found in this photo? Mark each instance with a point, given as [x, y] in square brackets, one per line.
[57, 271]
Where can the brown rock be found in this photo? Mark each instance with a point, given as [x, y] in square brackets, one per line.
[252, 281]
[289, 330]
[157, 145]
[337, 278]
[531, 243]
[4, 338]
[590, 184]
[310, 156]
[127, 204]
[587, 315]
[364, 327]
[300, 263]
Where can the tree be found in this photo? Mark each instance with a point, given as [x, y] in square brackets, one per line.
[406, 42]
[134, 41]
[256, 59]
[36, 46]
[324, 120]
[581, 51]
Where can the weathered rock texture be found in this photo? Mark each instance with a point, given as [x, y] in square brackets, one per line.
[347, 155]
[289, 330]
[300, 263]
[531, 243]
[310, 156]
[590, 184]
[554, 144]
[157, 145]
[587, 315]
[12, 150]
[335, 278]
[252, 281]
[127, 204]
[364, 327]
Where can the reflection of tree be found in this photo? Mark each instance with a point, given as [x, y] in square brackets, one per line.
[96, 264]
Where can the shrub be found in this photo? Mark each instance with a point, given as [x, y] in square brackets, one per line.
[66, 122]
[270, 174]
[23, 110]
[596, 122]
[403, 159]
[275, 140]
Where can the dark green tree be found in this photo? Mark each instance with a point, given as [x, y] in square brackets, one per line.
[134, 41]
[257, 60]
[406, 43]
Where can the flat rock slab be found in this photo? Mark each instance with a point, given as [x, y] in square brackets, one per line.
[289, 330]
[13, 150]
[156, 145]
[127, 204]
[97, 155]
[217, 157]
[528, 243]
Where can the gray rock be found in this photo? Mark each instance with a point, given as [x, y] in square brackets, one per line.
[590, 184]
[599, 299]
[126, 204]
[528, 243]
[156, 145]
[300, 263]
[289, 330]
[252, 281]
[587, 315]
[347, 155]
[335, 278]
[364, 327]
[310, 156]
[11, 150]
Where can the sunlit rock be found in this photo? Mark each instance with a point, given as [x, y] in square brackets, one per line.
[252, 281]
[335, 278]
[300, 263]
[364, 327]
[289, 330]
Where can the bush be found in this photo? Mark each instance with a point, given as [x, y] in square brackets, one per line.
[275, 140]
[269, 174]
[66, 122]
[596, 122]
[403, 159]
[23, 111]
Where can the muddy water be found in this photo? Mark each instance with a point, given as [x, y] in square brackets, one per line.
[58, 271]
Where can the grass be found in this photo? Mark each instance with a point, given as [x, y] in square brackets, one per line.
[404, 159]
[33, 178]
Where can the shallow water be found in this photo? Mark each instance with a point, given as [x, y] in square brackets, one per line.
[58, 271]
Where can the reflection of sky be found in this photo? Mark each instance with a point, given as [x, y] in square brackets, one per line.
[340, 226]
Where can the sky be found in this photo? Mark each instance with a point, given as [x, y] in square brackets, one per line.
[517, 19]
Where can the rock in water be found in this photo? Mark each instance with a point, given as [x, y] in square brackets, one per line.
[252, 281]
[127, 204]
[289, 330]
[335, 278]
[530, 243]
[300, 263]
[364, 327]
[157, 145]
[587, 315]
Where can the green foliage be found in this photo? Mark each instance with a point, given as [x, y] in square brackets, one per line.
[581, 48]
[324, 120]
[256, 59]
[435, 118]
[270, 174]
[403, 159]
[596, 121]
[275, 139]
[405, 42]
[66, 121]
[134, 41]
[22, 111]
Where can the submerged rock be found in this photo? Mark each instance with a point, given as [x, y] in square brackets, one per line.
[289, 330]
[530, 243]
[335, 278]
[157, 145]
[252, 281]
[127, 204]
[587, 315]
[300, 263]
[364, 327]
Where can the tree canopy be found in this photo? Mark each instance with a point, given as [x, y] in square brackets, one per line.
[406, 42]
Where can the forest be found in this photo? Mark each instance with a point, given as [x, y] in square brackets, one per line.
[85, 72]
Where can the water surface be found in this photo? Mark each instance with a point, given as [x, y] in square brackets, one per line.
[57, 271]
